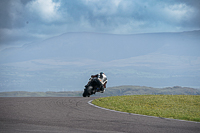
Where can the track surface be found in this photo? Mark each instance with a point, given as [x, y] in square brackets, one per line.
[74, 114]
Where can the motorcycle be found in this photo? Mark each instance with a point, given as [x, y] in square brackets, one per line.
[92, 87]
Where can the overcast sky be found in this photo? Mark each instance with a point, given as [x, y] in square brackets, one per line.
[25, 21]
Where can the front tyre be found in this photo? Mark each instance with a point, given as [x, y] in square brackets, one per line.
[84, 93]
[87, 91]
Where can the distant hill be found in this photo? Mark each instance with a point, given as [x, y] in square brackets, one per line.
[41, 94]
[65, 62]
[111, 91]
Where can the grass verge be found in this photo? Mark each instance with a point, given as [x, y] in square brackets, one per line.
[184, 107]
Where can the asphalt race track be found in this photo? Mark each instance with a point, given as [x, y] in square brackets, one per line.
[74, 115]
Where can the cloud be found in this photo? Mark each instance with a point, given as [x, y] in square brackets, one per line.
[46, 10]
[39, 19]
[113, 16]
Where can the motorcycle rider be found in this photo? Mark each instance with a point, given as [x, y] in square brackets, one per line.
[101, 81]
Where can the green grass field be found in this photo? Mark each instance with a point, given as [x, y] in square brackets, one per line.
[184, 107]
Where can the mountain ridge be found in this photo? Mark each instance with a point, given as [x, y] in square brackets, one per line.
[67, 61]
[83, 43]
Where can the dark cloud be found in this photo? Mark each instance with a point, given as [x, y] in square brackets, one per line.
[11, 13]
[40, 19]
[24, 2]
[107, 13]
[4, 14]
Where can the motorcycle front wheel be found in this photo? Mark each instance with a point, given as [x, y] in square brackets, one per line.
[87, 91]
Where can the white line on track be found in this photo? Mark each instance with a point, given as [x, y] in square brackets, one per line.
[90, 102]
